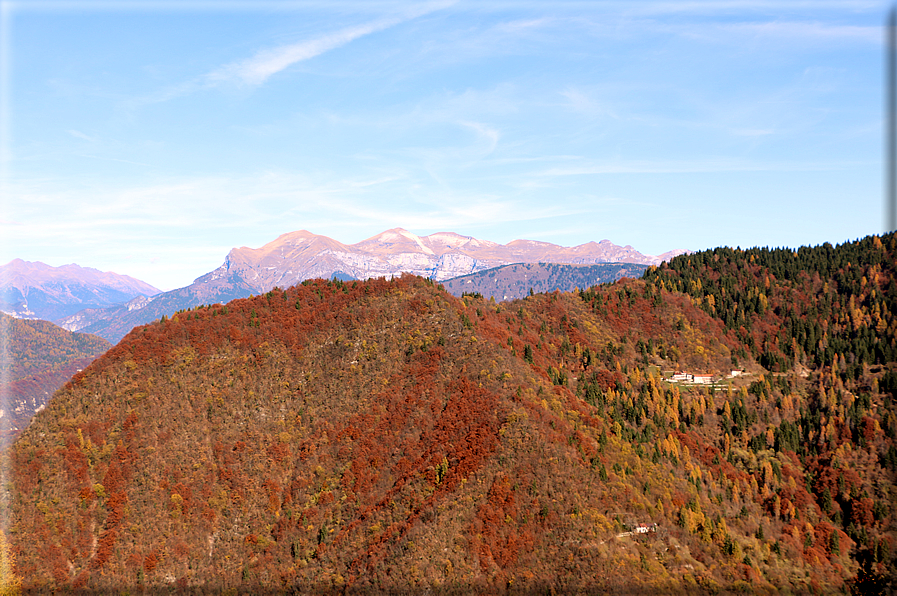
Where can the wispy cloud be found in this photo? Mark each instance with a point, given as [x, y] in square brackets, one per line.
[791, 32]
[452, 211]
[524, 25]
[491, 135]
[80, 135]
[578, 101]
[256, 70]
[136, 163]
[665, 7]
[794, 30]
[685, 167]
[220, 212]
[753, 132]
[268, 62]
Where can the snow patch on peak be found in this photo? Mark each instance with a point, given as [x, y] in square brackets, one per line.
[399, 235]
[417, 240]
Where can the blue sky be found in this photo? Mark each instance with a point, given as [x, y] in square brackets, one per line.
[150, 138]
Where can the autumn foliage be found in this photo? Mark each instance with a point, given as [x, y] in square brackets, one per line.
[386, 437]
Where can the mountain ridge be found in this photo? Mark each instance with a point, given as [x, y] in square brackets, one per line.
[294, 257]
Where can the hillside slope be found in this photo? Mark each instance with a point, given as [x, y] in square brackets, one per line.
[510, 282]
[39, 358]
[114, 322]
[827, 314]
[388, 437]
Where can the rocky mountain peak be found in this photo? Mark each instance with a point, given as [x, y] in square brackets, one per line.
[394, 241]
[294, 257]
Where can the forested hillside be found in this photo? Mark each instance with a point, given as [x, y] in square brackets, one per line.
[510, 282]
[41, 346]
[387, 437]
[807, 306]
[828, 315]
[38, 359]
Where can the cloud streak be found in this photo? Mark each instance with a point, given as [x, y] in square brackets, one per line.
[80, 135]
[489, 134]
[266, 63]
[685, 167]
[256, 70]
[796, 32]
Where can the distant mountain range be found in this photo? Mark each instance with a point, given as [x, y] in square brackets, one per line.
[298, 256]
[34, 290]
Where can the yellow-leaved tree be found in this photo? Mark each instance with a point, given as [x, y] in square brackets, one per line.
[10, 584]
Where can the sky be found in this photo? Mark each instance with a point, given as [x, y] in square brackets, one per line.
[150, 138]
